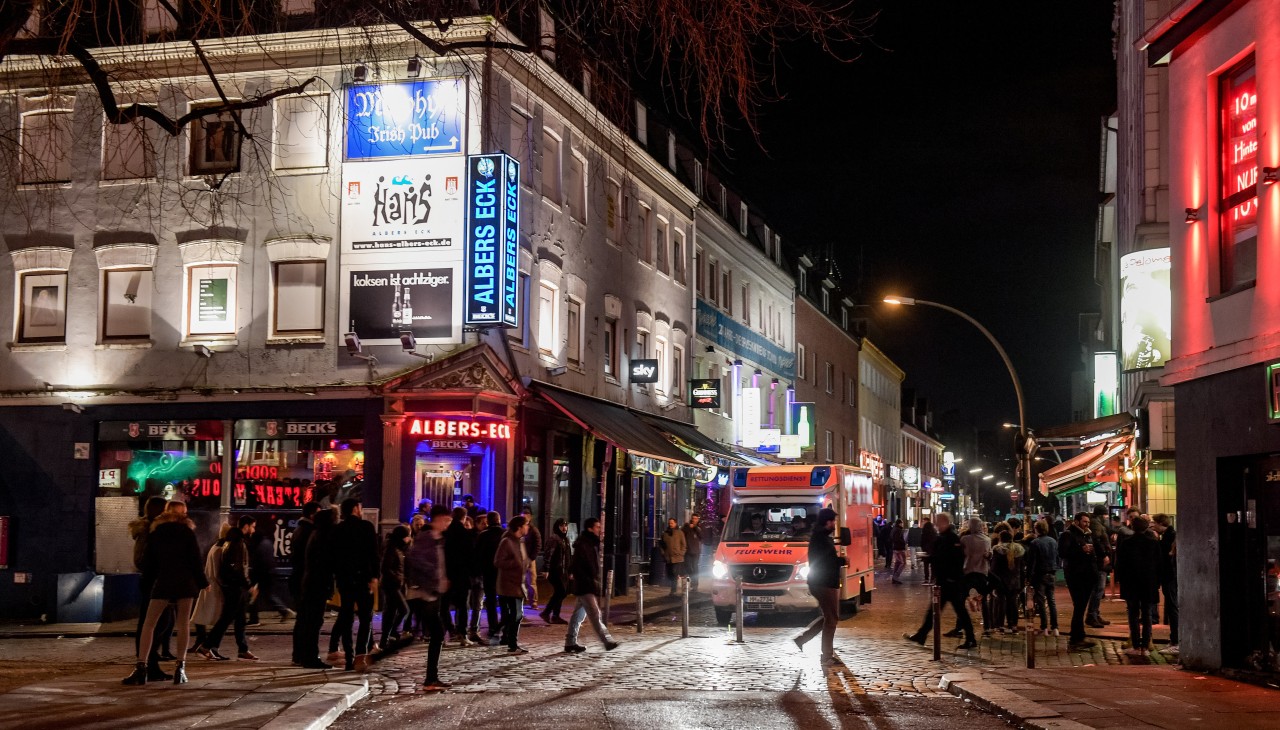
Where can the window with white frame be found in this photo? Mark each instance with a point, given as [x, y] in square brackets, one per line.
[573, 325]
[298, 298]
[301, 140]
[800, 360]
[46, 142]
[677, 256]
[126, 304]
[215, 143]
[520, 335]
[677, 370]
[577, 186]
[844, 317]
[550, 166]
[853, 392]
[642, 344]
[211, 300]
[746, 304]
[548, 316]
[726, 291]
[41, 284]
[831, 376]
[830, 450]
[127, 153]
[660, 238]
[713, 281]
[613, 212]
[520, 128]
[611, 347]
[660, 353]
[826, 300]
[646, 234]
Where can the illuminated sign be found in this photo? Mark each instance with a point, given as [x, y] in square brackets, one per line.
[393, 206]
[644, 371]
[426, 117]
[730, 334]
[749, 418]
[493, 239]
[704, 393]
[382, 302]
[789, 447]
[1273, 392]
[770, 440]
[895, 472]
[160, 430]
[802, 423]
[1238, 107]
[911, 477]
[872, 462]
[1106, 384]
[454, 428]
[1146, 309]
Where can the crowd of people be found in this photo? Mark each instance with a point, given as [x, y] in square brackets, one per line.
[436, 575]
[994, 571]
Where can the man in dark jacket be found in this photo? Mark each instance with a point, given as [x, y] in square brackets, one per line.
[1042, 572]
[585, 572]
[316, 588]
[426, 575]
[693, 549]
[1080, 566]
[1102, 550]
[356, 568]
[1163, 526]
[824, 584]
[262, 573]
[928, 537]
[486, 550]
[947, 560]
[1138, 570]
[233, 577]
[459, 544]
[298, 549]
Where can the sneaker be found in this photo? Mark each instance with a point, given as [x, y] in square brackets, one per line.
[610, 645]
[435, 686]
[559, 621]
[574, 649]
[914, 639]
[832, 660]
[1053, 632]
[1170, 650]
[517, 651]
[335, 657]
[247, 656]
[464, 642]
[207, 654]
[218, 656]
[1134, 652]
[954, 634]
[361, 663]
[474, 638]
[966, 646]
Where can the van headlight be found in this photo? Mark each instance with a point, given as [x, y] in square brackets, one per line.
[719, 570]
[803, 571]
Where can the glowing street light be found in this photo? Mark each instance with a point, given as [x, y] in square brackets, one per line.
[988, 477]
[976, 471]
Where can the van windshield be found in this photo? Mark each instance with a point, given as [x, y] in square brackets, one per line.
[771, 521]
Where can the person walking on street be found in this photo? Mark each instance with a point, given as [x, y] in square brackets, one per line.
[262, 573]
[298, 549]
[209, 603]
[172, 556]
[558, 561]
[317, 587]
[693, 549]
[825, 567]
[533, 549]
[928, 537]
[674, 548]
[236, 585]
[898, 541]
[913, 544]
[948, 559]
[1163, 525]
[512, 564]
[356, 569]
[1081, 570]
[395, 601]
[140, 531]
[426, 574]
[977, 569]
[1007, 563]
[585, 573]
[1138, 570]
[486, 551]
[1042, 574]
[475, 577]
[459, 542]
[1103, 553]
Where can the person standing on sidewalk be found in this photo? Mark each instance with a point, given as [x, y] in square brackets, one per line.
[236, 585]
[459, 542]
[585, 572]
[262, 573]
[674, 548]
[475, 576]
[1102, 551]
[1138, 570]
[173, 557]
[1007, 564]
[977, 569]
[824, 584]
[426, 567]
[395, 603]
[913, 544]
[1080, 567]
[512, 563]
[486, 551]
[557, 561]
[140, 531]
[1163, 526]
[693, 548]
[317, 588]
[1042, 574]
[928, 537]
[947, 557]
[298, 550]
[533, 549]
[898, 541]
[356, 568]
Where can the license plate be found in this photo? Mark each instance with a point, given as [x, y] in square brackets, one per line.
[757, 600]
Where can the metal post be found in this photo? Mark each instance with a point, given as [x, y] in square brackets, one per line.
[738, 619]
[639, 603]
[935, 605]
[684, 613]
[608, 595]
[1031, 646]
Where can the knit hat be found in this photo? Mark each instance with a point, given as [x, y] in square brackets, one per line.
[826, 515]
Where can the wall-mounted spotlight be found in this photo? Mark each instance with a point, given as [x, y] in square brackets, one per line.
[711, 348]
[1270, 175]
[1193, 215]
[202, 350]
[557, 371]
[352, 341]
[409, 344]
[414, 68]
[73, 407]
[360, 73]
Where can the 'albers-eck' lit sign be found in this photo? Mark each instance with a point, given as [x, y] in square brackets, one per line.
[493, 225]
[453, 428]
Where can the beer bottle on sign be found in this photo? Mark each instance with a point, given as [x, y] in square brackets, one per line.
[406, 317]
[395, 308]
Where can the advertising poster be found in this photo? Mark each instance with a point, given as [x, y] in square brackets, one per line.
[1146, 311]
[425, 117]
[401, 206]
[1106, 384]
[382, 301]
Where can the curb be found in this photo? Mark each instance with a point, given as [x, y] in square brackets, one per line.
[320, 707]
[1009, 705]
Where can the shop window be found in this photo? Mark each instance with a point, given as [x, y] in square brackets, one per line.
[1238, 205]
[169, 459]
[276, 467]
[573, 325]
[127, 153]
[42, 306]
[301, 140]
[298, 298]
[548, 317]
[611, 347]
[551, 166]
[46, 142]
[215, 144]
[577, 186]
[211, 300]
[126, 304]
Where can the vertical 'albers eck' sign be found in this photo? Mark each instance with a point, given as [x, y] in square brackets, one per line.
[493, 226]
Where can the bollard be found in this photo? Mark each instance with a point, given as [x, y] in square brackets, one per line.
[639, 603]
[935, 605]
[1031, 647]
[608, 596]
[684, 613]
[738, 620]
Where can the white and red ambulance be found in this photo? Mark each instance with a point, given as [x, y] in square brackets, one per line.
[766, 536]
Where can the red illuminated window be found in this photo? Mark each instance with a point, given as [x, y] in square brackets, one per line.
[1238, 206]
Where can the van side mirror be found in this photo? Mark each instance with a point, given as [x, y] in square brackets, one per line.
[845, 537]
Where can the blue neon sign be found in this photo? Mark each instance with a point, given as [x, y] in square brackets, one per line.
[411, 118]
[493, 241]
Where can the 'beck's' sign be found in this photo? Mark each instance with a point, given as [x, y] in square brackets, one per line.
[493, 229]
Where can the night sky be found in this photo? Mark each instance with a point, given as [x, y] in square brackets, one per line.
[956, 161]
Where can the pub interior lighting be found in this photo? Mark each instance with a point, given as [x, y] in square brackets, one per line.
[360, 73]
[1270, 175]
[1193, 215]
[414, 68]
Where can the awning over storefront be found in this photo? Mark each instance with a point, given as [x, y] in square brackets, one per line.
[690, 437]
[1099, 463]
[1107, 427]
[615, 424]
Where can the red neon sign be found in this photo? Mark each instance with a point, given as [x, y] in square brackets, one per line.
[1239, 109]
[453, 428]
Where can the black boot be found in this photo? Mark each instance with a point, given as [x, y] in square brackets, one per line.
[155, 673]
[139, 675]
[180, 673]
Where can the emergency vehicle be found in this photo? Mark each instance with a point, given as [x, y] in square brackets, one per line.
[766, 536]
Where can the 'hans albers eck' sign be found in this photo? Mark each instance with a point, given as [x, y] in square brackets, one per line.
[492, 263]
[737, 338]
[410, 118]
[397, 206]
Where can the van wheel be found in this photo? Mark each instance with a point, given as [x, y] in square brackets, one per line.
[848, 608]
[723, 616]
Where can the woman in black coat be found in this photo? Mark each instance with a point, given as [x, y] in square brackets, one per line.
[173, 557]
[1138, 570]
[557, 562]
